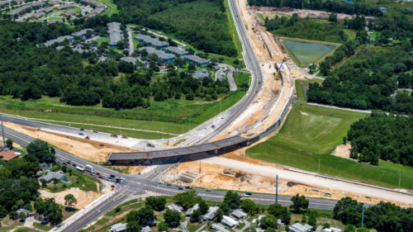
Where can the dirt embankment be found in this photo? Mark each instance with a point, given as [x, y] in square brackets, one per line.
[214, 177]
[86, 149]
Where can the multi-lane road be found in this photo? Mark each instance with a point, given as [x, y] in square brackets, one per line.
[151, 181]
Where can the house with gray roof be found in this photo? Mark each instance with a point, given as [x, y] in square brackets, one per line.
[98, 11]
[238, 213]
[69, 13]
[191, 210]
[196, 60]
[59, 40]
[37, 4]
[26, 212]
[175, 207]
[4, 3]
[59, 175]
[90, 15]
[168, 58]
[297, 227]
[37, 15]
[118, 227]
[19, 10]
[154, 42]
[54, 3]
[178, 52]
[219, 227]
[200, 74]
[82, 33]
[48, 9]
[99, 5]
[211, 213]
[54, 21]
[129, 59]
[64, 7]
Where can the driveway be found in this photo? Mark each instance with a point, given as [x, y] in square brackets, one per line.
[131, 48]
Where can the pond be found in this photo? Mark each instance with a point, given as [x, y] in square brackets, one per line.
[307, 53]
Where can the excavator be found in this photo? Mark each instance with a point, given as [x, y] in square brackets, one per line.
[277, 75]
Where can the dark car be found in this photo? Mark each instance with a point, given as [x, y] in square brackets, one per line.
[95, 131]
[168, 185]
[181, 188]
[68, 162]
[112, 176]
[188, 187]
[74, 165]
[248, 194]
[81, 134]
[82, 129]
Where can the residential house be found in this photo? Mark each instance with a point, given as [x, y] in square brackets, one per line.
[219, 228]
[297, 227]
[196, 60]
[8, 155]
[200, 74]
[69, 13]
[191, 210]
[37, 15]
[48, 9]
[59, 175]
[58, 39]
[19, 10]
[118, 227]
[90, 15]
[45, 166]
[211, 213]
[64, 7]
[238, 213]
[231, 222]
[332, 229]
[154, 42]
[28, 213]
[175, 207]
[98, 11]
[115, 34]
[146, 229]
[82, 33]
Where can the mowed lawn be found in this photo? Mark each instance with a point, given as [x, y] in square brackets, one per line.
[311, 133]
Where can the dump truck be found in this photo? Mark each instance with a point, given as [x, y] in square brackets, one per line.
[87, 137]
[150, 145]
[89, 168]
[114, 135]
[125, 137]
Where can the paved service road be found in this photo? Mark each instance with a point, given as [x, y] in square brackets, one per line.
[229, 72]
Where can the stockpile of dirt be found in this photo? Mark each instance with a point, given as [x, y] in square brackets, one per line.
[284, 9]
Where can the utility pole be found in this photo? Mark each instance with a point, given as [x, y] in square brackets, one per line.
[400, 177]
[318, 166]
[189, 122]
[276, 190]
[2, 131]
[219, 107]
[120, 127]
[162, 130]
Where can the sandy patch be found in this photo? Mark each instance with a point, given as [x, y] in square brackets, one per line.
[343, 151]
[213, 177]
[83, 198]
[303, 113]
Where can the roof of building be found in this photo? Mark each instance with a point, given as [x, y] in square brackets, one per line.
[55, 21]
[175, 207]
[297, 227]
[160, 54]
[129, 59]
[190, 210]
[196, 59]
[200, 74]
[99, 5]
[37, 4]
[58, 39]
[52, 175]
[319, 229]
[229, 221]
[114, 38]
[48, 9]
[332, 229]
[18, 10]
[37, 15]
[153, 41]
[176, 50]
[146, 229]
[63, 7]
[98, 10]
[90, 15]
[119, 227]
[54, 2]
[8, 155]
[69, 12]
[82, 32]
[238, 213]
[4, 3]
[211, 212]
[25, 211]
[219, 227]
[113, 27]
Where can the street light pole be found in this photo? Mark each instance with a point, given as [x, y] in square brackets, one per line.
[276, 190]
[318, 166]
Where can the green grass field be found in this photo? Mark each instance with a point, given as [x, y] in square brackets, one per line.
[163, 114]
[101, 40]
[111, 6]
[311, 133]
[41, 226]
[241, 79]
[261, 17]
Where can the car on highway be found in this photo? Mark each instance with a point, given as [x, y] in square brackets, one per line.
[97, 173]
[188, 187]
[81, 134]
[247, 194]
[112, 177]
[82, 129]
[168, 185]
[95, 131]
[181, 188]
[74, 165]
[101, 177]
[68, 162]
[208, 190]
[213, 126]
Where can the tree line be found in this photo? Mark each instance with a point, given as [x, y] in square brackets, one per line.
[382, 136]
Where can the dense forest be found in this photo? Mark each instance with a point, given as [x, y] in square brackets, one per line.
[19, 187]
[384, 216]
[29, 72]
[367, 83]
[382, 137]
[331, 6]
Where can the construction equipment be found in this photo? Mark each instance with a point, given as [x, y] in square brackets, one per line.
[125, 137]
[277, 75]
[114, 135]
[87, 137]
[150, 145]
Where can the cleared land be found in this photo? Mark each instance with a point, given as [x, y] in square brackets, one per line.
[311, 133]
[301, 87]
[112, 7]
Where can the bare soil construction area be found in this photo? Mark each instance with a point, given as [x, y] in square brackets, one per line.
[214, 177]
[271, 12]
[86, 149]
